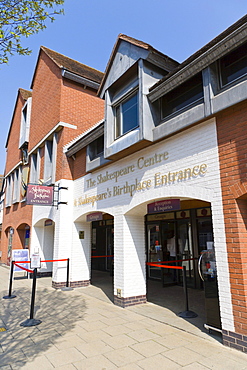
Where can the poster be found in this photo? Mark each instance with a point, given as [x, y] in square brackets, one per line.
[20, 255]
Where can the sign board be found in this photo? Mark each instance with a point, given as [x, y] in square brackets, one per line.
[35, 261]
[96, 216]
[39, 195]
[20, 255]
[165, 205]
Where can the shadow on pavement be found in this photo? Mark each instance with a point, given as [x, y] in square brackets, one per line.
[59, 312]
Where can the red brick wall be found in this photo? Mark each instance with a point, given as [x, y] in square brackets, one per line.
[53, 100]
[79, 165]
[82, 108]
[16, 216]
[13, 155]
[46, 99]
[232, 138]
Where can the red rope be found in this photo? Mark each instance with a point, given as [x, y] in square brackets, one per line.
[23, 268]
[189, 259]
[101, 256]
[165, 266]
[66, 259]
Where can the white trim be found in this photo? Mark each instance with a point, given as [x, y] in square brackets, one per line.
[62, 124]
[67, 146]
[14, 168]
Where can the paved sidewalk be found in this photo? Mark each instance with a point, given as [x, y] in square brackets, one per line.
[83, 329]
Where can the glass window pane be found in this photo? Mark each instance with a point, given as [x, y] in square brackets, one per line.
[184, 95]
[130, 114]
[118, 121]
[234, 65]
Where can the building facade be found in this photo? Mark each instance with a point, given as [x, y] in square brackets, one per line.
[61, 105]
[159, 178]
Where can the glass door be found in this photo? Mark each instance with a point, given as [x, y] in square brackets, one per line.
[109, 248]
[169, 275]
[154, 253]
[185, 251]
[205, 234]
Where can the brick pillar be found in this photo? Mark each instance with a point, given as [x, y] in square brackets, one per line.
[129, 260]
[237, 256]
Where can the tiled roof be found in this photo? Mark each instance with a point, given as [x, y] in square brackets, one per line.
[73, 66]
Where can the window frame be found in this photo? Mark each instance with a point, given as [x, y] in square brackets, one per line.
[25, 123]
[16, 185]
[221, 69]
[9, 190]
[184, 92]
[94, 154]
[118, 106]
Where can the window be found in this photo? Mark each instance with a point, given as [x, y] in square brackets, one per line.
[50, 160]
[9, 190]
[35, 167]
[233, 65]
[126, 114]
[96, 148]
[190, 92]
[16, 186]
[25, 123]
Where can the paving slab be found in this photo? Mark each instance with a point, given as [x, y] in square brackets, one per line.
[83, 329]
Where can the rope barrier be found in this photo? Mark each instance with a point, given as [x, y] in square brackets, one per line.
[165, 266]
[23, 268]
[34, 272]
[65, 259]
[188, 259]
[102, 256]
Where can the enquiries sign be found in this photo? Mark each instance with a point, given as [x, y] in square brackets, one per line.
[39, 195]
[164, 206]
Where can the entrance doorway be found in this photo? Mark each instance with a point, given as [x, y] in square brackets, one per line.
[178, 238]
[102, 251]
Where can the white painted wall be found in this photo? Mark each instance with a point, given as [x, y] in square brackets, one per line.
[190, 148]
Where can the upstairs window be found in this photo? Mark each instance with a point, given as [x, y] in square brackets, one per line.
[25, 123]
[96, 148]
[16, 186]
[9, 191]
[50, 160]
[126, 115]
[35, 167]
[233, 65]
[188, 93]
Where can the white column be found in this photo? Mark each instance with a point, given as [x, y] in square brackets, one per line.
[81, 254]
[63, 233]
[129, 256]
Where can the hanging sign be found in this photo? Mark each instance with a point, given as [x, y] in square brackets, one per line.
[39, 195]
[165, 205]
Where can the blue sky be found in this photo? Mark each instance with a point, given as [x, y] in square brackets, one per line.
[88, 30]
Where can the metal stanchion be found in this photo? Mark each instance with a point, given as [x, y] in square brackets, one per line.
[67, 287]
[10, 296]
[31, 321]
[187, 314]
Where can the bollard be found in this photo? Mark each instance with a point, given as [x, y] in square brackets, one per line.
[187, 314]
[31, 321]
[67, 280]
[10, 296]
